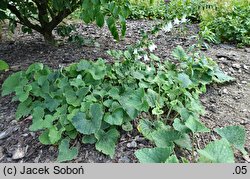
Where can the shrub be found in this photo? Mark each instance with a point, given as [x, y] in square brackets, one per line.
[229, 22]
[44, 15]
[220, 20]
[149, 9]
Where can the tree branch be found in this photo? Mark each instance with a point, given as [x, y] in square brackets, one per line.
[63, 14]
[23, 20]
[42, 11]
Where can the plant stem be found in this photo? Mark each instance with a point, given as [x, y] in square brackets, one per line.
[169, 111]
[193, 160]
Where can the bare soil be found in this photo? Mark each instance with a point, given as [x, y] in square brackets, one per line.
[227, 104]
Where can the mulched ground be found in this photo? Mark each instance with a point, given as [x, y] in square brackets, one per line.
[227, 104]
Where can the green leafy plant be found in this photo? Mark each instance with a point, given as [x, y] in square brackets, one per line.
[44, 16]
[228, 23]
[165, 139]
[190, 8]
[93, 101]
[147, 9]
[219, 20]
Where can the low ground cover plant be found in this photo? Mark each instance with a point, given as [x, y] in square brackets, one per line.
[93, 101]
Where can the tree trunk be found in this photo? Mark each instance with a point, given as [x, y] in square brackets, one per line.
[48, 37]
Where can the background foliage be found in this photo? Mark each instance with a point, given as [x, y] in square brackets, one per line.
[219, 20]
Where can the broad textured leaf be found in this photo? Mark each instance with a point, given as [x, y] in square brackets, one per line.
[135, 99]
[153, 155]
[115, 118]
[195, 125]
[106, 141]
[52, 104]
[137, 75]
[89, 126]
[152, 98]
[221, 77]
[184, 142]
[98, 70]
[219, 151]
[147, 127]
[83, 65]
[24, 109]
[179, 53]
[130, 110]
[22, 92]
[34, 68]
[11, 83]
[66, 153]
[235, 135]
[172, 159]
[77, 82]
[185, 80]
[37, 119]
[180, 126]
[72, 134]
[54, 134]
[44, 138]
[72, 98]
[114, 93]
[89, 139]
[165, 138]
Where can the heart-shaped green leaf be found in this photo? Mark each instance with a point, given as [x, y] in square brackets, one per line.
[235, 135]
[196, 126]
[92, 125]
[106, 141]
[115, 118]
[218, 151]
[65, 153]
[153, 155]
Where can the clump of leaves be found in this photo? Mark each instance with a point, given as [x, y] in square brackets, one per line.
[228, 22]
[149, 9]
[94, 99]
[191, 8]
[219, 20]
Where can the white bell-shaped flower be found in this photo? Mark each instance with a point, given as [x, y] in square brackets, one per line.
[135, 52]
[183, 19]
[138, 57]
[152, 47]
[168, 27]
[146, 58]
[176, 21]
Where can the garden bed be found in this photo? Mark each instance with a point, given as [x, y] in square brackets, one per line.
[226, 104]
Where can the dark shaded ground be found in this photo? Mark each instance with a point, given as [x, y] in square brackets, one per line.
[228, 104]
